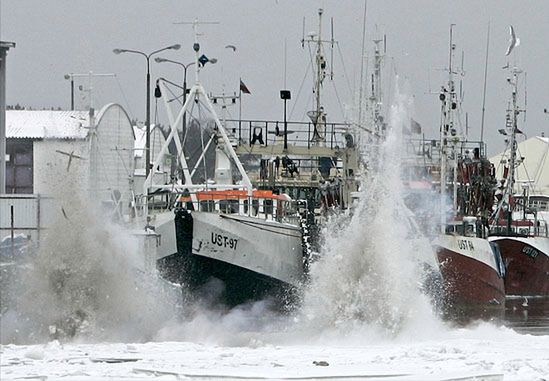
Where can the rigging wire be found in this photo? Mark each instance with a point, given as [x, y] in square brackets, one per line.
[344, 69]
[339, 101]
[300, 89]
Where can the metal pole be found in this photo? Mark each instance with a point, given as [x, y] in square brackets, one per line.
[240, 112]
[72, 93]
[38, 218]
[148, 123]
[285, 127]
[12, 227]
[184, 125]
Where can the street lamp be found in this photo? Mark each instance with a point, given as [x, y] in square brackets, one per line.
[148, 116]
[185, 66]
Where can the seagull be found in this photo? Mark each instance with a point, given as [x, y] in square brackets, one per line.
[231, 47]
[513, 40]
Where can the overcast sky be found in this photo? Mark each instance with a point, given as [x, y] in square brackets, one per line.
[75, 36]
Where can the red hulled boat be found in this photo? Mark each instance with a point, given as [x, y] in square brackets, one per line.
[518, 224]
[471, 268]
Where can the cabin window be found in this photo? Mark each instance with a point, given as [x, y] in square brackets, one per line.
[207, 205]
[228, 206]
[268, 206]
[255, 207]
[469, 230]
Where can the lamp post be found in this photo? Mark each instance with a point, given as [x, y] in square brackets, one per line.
[185, 66]
[148, 115]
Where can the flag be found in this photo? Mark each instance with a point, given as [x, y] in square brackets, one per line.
[243, 88]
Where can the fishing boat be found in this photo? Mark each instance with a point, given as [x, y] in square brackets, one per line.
[518, 227]
[471, 267]
[219, 232]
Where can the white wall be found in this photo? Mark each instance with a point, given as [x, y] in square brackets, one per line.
[51, 169]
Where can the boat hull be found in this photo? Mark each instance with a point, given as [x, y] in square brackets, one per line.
[473, 278]
[254, 259]
[527, 262]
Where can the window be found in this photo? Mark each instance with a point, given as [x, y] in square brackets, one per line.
[207, 205]
[19, 167]
[228, 206]
[268, 206]
[255, 206]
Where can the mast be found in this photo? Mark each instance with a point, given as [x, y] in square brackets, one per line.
[512, 123]
[447, 133]
[377, 88]
[318, 115]
[319, 63]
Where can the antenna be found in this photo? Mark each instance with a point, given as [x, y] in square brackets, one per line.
[384, 44]
[525, 95]
[485, 77]
[303, 34]
[361, 87]
[196, 45]
[332, 50]
[466, 125]
[462, 61]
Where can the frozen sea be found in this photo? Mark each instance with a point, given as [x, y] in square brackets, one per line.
[482, 352]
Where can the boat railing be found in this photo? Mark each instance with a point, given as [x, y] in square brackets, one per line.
[522, 228]
[270, 132]
[303, 171]
[429, 149]
[261, 207]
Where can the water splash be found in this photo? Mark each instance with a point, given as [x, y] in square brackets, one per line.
[87, 282]
[369, 276]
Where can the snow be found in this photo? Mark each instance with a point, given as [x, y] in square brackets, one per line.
[480, 351]
[40, 124]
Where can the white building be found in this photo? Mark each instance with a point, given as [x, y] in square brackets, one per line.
[50, 153]
[533, 170]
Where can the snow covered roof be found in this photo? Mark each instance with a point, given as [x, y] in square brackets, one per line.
[46, 124]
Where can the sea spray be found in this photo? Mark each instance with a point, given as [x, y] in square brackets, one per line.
[369, 276]
[88, 281]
